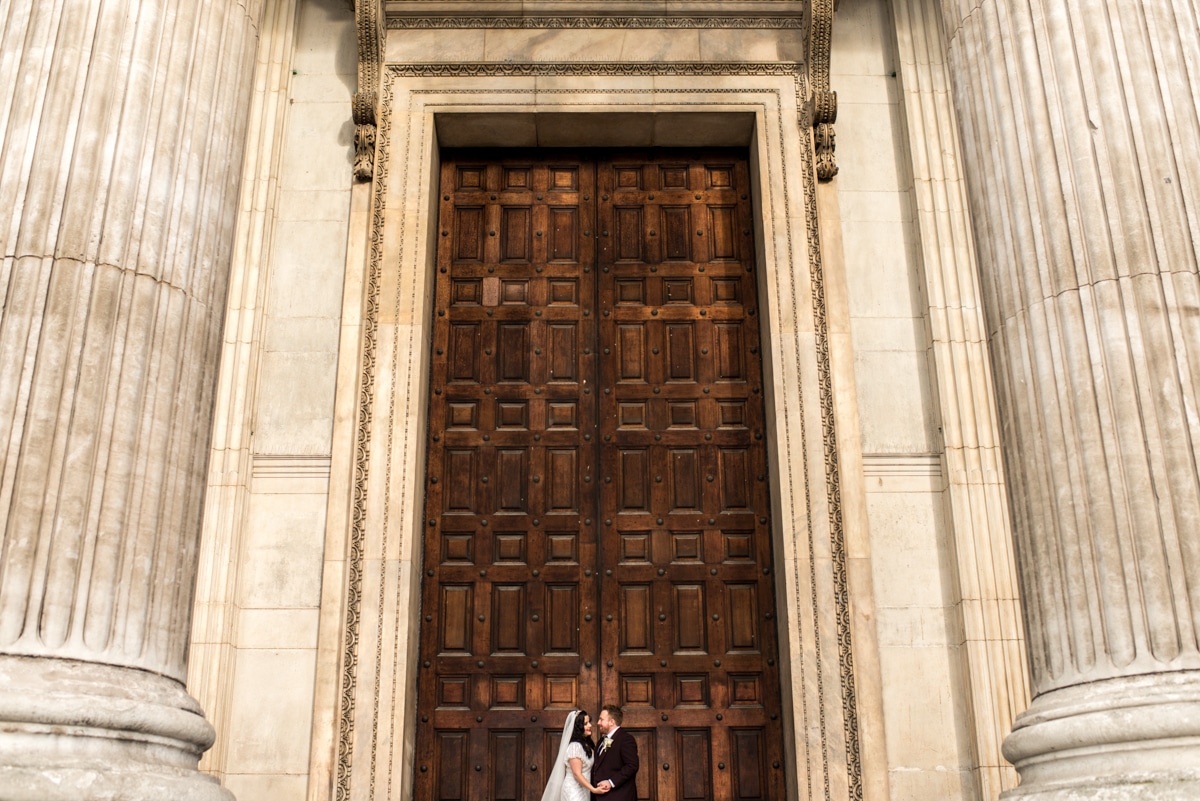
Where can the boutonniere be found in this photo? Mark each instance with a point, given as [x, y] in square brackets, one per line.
[606, 743]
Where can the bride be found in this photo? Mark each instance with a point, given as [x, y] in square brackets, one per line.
[570, 778]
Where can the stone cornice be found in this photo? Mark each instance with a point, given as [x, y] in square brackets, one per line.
[673, 11]
[507, 22]
[605, 68]
[815, 16]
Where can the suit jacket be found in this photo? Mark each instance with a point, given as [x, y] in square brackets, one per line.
[619, 764]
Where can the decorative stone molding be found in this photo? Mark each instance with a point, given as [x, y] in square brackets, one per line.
[823, 101]
[368, 21]
[764, 23]
[902, 465]
[816, 16]
[504, 13]
[599, 68]
[370, 719]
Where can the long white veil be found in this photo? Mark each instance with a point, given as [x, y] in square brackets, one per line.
[558, 772]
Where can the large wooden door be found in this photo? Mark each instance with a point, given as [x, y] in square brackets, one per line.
[597, 525]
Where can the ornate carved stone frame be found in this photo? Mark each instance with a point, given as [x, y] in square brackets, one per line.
[810, 424]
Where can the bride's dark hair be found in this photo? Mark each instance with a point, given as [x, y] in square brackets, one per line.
[577, 735]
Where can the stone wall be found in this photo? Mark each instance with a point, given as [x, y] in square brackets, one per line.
[254, 651]
[279, 516]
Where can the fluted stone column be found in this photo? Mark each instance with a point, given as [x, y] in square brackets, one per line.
[121, 132]
[1082, 138]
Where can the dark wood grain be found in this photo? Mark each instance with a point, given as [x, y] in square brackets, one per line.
[596, 526]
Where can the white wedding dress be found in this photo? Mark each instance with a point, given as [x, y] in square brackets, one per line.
[573, 790]
[560, 783]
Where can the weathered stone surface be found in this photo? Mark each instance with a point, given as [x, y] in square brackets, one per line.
[1081, 133]
[81, 730]
[120, 152]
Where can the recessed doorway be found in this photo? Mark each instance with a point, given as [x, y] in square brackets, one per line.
[597, 505]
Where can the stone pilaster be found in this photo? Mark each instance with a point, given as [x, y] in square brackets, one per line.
[121, 133]
[211, 662]
[992, 646]
[1080, 125]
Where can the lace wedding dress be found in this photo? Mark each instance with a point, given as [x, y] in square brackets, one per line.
[560, 783]
[573, 790]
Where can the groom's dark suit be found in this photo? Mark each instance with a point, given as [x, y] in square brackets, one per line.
[618, 764]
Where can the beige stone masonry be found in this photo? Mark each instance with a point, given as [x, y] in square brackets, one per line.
[215, 609]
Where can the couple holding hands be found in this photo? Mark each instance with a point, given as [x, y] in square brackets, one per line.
[583, 770]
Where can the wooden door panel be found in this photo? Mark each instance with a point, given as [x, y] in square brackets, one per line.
[648, 779]
[628, 233]
[677, 230]
[681, 422]
[451, 751]
[681, 352]
[468, 233]
[741, 604]
[634, 618]
[564, 234]
[510, 503]
[512, 352]
[683, 466]
[688, 616]
[595, 509]
[564, 347]
[516, 233]
[511, 476]
[747, 749]
[507, 692]
[632, 480]
[693, 772]
[562, 480]
[562, 619]
[506, 764]
[733, 465]
[455, 617]
[723, 239]
[508, 619]
[464, 353]
[631, 352]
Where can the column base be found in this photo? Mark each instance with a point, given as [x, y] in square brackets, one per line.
[78, 731]
[1114, 740]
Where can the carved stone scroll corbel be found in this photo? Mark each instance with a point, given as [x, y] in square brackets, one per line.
[368, 20]
[823, 101]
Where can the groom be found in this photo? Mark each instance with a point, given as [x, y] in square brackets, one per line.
[616, 762]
